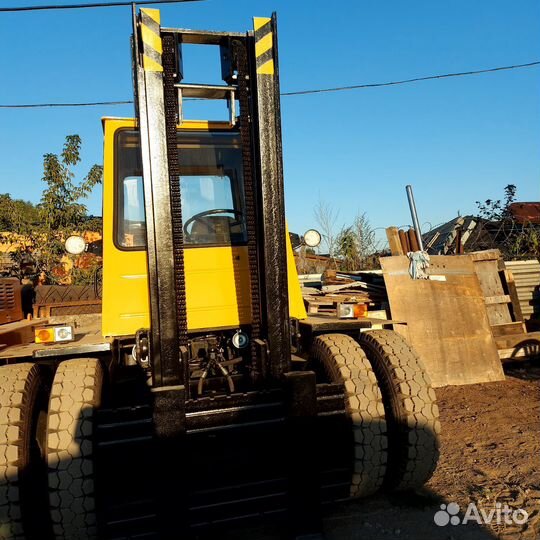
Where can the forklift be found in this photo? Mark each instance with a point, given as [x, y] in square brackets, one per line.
[209, 396]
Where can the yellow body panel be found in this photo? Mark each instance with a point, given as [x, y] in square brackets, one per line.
[217, 278]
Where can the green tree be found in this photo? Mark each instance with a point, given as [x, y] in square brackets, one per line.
[499, 228]
[60, 212]
[365, 237]
[17, 216]
[94, 224]
[60, 206]
[347, 249]
[497, 209]
[356, 243]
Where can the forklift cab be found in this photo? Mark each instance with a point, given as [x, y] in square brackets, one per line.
[213, 222]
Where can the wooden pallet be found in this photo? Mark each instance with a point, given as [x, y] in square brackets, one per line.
[503, 308]
[486, 266]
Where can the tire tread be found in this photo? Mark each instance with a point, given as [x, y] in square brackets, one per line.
[75, 395]
[345, 362]
[412, 411]
[18, 391]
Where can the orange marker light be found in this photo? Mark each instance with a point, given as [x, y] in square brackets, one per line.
[44, 336]
[360, 310]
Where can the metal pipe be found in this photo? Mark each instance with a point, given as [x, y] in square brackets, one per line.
[414, 216]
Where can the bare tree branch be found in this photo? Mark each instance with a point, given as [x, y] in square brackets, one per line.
[326, 218]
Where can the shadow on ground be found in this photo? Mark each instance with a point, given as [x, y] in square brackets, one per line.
[393, 517]
[527, 371]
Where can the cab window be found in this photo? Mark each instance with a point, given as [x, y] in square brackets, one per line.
[211, 185]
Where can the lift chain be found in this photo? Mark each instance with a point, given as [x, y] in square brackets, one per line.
[169, 76]
[240, 53]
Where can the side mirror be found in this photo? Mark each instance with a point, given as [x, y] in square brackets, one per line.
[75, 244]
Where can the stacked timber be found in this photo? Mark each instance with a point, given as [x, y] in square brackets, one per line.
[402, 242]
[369, 285]
[347, 287]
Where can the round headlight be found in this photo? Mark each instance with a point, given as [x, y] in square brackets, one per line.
[240, 340]
[75, 245]
[312, 238]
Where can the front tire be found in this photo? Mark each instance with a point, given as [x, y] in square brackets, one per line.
[75, 397]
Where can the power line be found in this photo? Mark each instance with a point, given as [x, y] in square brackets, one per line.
[89, 5]
[296, 93]
[408, 81]
[85, 104]
[46, 105]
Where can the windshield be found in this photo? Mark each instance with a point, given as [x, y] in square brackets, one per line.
[211, 185]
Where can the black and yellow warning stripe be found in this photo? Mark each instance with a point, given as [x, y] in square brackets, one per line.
[151, 39]
[264, 45]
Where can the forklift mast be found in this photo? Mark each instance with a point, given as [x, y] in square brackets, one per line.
[249, 69]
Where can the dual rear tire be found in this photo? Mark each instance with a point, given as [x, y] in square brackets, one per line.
[20, 394]
[391, 405]
[60, 448]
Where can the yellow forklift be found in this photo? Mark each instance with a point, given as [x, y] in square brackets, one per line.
[208, 396]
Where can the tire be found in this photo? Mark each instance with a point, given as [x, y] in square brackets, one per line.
[345, 362]
[411, 409]
[75, 396]
[19, 393]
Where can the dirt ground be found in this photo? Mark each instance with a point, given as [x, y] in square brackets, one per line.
[490, 456]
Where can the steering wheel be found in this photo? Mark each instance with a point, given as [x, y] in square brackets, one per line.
[202, 217]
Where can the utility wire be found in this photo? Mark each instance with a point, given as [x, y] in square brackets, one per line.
[408, 81]
[296, 93]
[45, 105]
[85, 104]
[88, 5]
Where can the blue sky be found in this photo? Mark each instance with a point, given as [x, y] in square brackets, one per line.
[455, 140]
